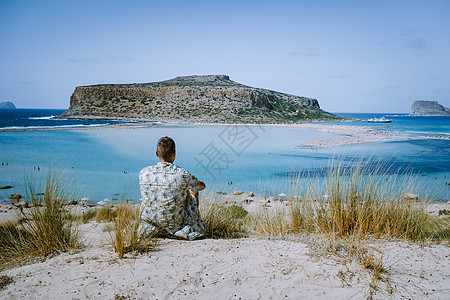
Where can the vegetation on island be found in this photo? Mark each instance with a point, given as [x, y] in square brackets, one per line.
[207, 99]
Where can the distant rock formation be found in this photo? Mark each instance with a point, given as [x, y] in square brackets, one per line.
[428, 108]
[7, 105]
[209, 99]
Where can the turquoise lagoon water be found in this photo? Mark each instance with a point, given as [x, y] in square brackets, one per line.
[415, 125]
[105, 163]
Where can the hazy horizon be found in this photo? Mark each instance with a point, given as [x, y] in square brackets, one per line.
[351, 56]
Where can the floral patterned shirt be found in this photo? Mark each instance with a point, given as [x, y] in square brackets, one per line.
[167, 206]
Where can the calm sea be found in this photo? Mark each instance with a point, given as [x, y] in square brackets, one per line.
[417, 125]
[105, 163]
[42, 119]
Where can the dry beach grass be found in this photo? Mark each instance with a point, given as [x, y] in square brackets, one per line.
[42, 230]
[364, 200]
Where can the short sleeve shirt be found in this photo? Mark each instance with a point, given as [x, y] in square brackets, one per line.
[167, 204]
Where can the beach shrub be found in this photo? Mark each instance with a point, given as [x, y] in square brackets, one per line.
[124, 234]
[103, 103]
[223, 220]
[235, 211]
[45, 228]
[5, 280]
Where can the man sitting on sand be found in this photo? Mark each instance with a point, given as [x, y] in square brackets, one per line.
[169, 193]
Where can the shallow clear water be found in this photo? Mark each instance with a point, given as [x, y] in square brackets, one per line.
[264, 160]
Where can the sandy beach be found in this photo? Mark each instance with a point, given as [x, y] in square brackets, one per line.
[279, 267]
[351, 135]
[346, 134]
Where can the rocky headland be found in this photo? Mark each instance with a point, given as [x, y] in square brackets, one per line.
[204, 99]
[428, 108]
[7, 105]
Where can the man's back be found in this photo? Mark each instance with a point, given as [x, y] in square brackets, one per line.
[167, 205]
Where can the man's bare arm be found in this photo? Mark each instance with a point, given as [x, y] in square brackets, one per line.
[202, 186]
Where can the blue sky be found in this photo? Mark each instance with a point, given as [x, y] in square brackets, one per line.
[353, 56]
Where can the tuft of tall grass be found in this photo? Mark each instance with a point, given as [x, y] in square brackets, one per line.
[46, 227]
[14, 241]
[124, 234]
[270, 222]
[349, 250]
[87, 215]
[106, 213]
[363, 200]
[223, 220]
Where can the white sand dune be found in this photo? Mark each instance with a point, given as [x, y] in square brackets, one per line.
[249, 268]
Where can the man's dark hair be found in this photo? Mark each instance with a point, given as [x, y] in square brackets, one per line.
[165, 148]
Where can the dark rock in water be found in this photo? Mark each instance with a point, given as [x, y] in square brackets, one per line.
[7, 105]
[5, 187]
[410, 197]
[72, 202]
[428, 108]
[16, 197]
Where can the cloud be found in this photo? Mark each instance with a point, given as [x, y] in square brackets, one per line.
[115, 58]
[338, 76]
[23, 82]
[410, 38]
[306, 52]
[83, 60]
[408, 32]
[391, 86]
[416, 44]
[109, 58]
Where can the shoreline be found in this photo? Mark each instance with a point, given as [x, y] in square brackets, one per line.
[346, 134]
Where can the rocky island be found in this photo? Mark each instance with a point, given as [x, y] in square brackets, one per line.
[206, 99]
[7, 105]
[428, 108]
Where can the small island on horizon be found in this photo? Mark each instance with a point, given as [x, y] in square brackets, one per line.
[7, 105]
[428, 108]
